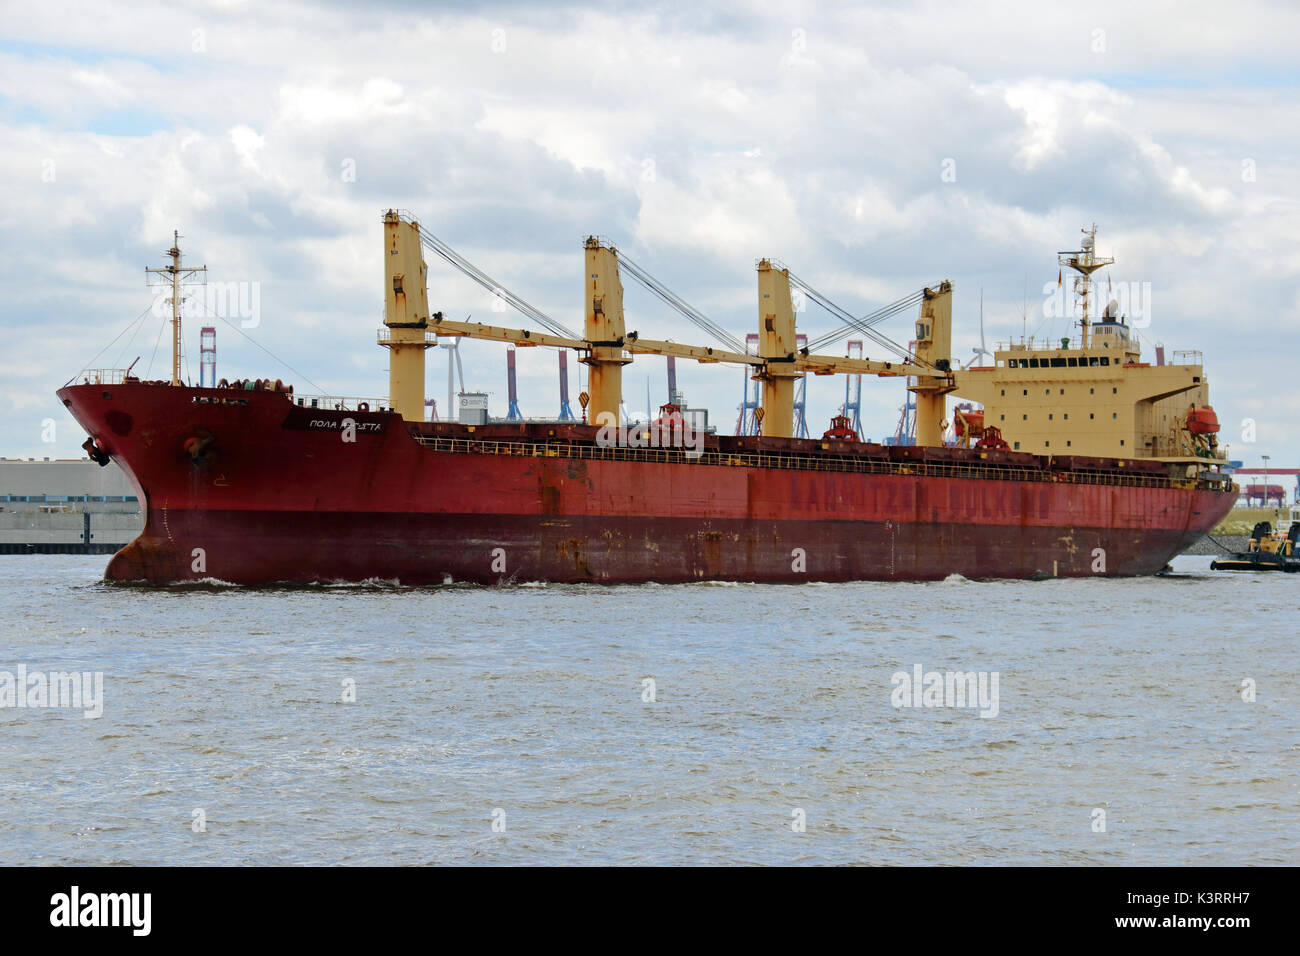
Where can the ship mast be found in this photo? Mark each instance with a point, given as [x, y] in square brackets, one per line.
[176, 276]
[1084, 261]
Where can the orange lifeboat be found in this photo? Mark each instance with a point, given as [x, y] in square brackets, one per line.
[968, 419]
[1202, 421]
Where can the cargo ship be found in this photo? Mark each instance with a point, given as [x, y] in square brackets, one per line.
[1082, 461]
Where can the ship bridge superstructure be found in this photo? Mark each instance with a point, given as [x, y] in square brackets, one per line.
[1092, 394]
[1099, 400]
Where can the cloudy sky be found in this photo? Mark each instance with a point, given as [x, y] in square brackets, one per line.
[873, 148]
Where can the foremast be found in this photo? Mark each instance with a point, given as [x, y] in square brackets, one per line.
[175, 275]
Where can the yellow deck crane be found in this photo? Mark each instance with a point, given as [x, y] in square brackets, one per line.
[609, 346]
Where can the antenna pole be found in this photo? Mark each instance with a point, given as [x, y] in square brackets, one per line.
[1085, 261]
[176, 306]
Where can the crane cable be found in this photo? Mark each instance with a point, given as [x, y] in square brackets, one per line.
[698, 318]
[863, 325]
[463, 265]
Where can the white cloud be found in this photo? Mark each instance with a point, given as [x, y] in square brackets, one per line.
[103, 87]
[699, 140]
[247, 144]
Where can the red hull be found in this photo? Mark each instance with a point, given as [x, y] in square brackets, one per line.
[278, 495]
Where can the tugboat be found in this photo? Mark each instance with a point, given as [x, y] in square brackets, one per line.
[1268, 550]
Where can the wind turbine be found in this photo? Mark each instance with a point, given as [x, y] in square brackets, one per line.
[981, 351]
[453, 364]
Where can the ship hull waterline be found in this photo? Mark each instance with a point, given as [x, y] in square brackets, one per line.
[283, 494]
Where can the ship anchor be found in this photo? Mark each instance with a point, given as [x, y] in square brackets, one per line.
[95, 453]
[197, 446]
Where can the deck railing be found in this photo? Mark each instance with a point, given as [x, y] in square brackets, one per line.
[340, 403]
[100, 376]
[384, 336]
[781, 460]
[345, 403]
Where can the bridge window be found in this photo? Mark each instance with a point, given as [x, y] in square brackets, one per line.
[1073, 362]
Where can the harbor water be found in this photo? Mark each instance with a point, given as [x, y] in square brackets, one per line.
[1136, 721]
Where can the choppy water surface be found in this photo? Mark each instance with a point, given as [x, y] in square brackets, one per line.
[1120, 695]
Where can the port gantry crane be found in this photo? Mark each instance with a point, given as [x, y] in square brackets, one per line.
[608, 346]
